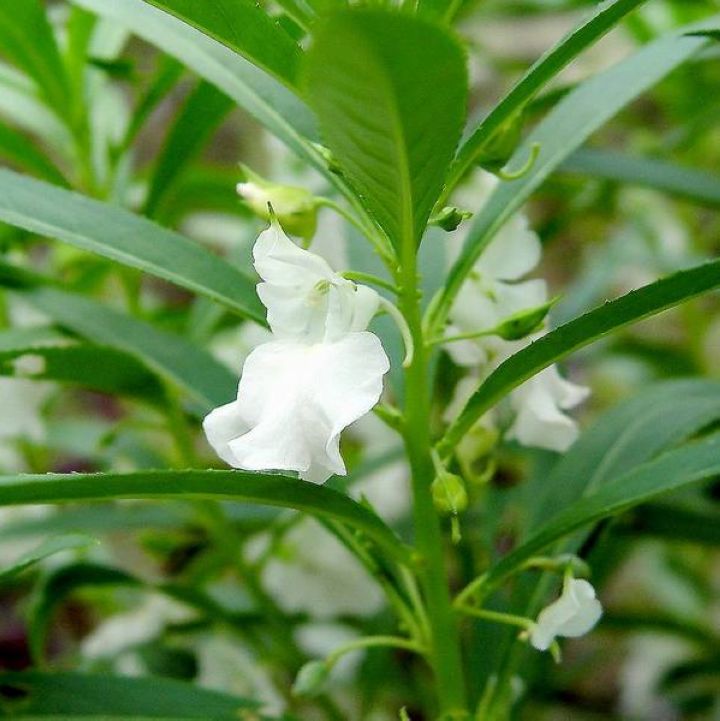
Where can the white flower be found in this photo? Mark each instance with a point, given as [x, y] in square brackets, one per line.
[539, 404]
[294, 400]
[304, 297]
[573, 614]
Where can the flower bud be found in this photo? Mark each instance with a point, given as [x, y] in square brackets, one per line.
[449, 494]
[502, 144]
[449, 218]
[310, 679]
[295, 208]
[525, 322]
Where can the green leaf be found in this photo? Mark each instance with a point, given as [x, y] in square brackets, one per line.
[270, 489]
[35, 353]
[269, 102]
[22, 152]
[74, 696]
[671, 521]
[695, 185]
[194, 370]
[200, 115]
[565, 339]
[390, 92]
[565, 129]
[671, 471]
[605, 17]
[119, 235]
[243, 26]
[27, 39]
[47, 548]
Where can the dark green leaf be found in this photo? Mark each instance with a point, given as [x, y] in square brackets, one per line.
[392, 135]
[562, 341]
[20, 151]
[567, 127]
[74, 696]
[673, 470]
[696, 185]
[244, 27]
[47, 548]
[605, 17]
[129, 239]
[270, 489]
[207, 382]
[200, 115]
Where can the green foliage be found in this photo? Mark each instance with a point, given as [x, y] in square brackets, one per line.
[392, 139]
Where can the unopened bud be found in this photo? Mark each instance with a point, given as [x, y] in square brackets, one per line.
[449, 218]
[295, 208]
[310, 679]
[449, 494]
[501, 145]
[525, 322]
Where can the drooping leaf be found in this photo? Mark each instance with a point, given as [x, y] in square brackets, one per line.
[41, 354]
[565, 339]
[207, 382]
[271, 489]
[50, 547]
[202, 112]
[567, 127]
[390, 93]
[695, 185]
[114, 233]
[74, 697]
[244, 27]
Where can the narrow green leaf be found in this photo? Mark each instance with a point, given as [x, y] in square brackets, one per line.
[47, 548]
[269, 102]
[392, 136]
[27, 39]
[269, 489]
[565, 129]
[24, 353]
[695, 185]
[673, 470]
[672, 521]
[73, 696]
[195, 371]
[562, 341]
[243, 26]
[199, 116]
[20, 151]
[606, 16]
[126, 238]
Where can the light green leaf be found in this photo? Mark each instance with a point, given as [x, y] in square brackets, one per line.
[392, 135]
[269, 102]
[565, 129]
[126, 238]
[199, 116]
[195, 371]
[671, 471]
[32, 353]
[695, 185]
[244, 27]
[21, 151]
[75, 697]
[269, 489]
[47, 548]
[605, 17]
[565, 339]
[27, 39]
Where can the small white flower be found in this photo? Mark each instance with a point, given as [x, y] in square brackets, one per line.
[304, 297]
[539, 404]
[573, 614]
[293, 402]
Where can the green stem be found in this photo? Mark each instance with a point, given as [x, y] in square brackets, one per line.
[374, 642]
[508, 619]
[444, 638]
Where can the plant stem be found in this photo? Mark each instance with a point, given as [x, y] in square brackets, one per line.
[445, 641]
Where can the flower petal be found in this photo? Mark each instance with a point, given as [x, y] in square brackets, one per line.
[513, 253]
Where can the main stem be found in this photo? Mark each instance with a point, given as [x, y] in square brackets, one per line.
[445, 641]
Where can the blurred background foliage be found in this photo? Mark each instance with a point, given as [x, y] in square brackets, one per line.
[167, 593]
